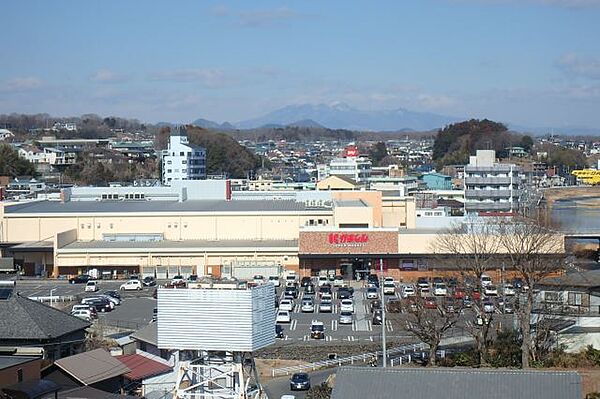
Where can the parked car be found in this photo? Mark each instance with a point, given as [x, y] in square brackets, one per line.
[389, 288]
[131, 285]
[275, 281]
[91, 286]
[291, 290]
[80, 279]
[177, 280]
[508, 308]
[322, 281]
[100, 304]
[91, 309]
[373, 281]
[439, 289]
[422, 282]
[438, 280]
[509, 290]
[346, 318]
[377, 317]
[291, 279]
[488, 307]
[430, 303]
[309, 289]
[375, 305]
[459, 293]
[490, 290]
[485, 280]
[112, 293]
[372, 293]
[338, 281]
[317, 330]
[408, 290]
[279, 331]
[300, 382]
[286, 304]
[149, 281]
[346, 305]
[258, 279]
[283, 316]
[82, 314]
[308, 306]
[324, 290]
[326, 306]
[305, 281]
[113, 300]
[345, 293]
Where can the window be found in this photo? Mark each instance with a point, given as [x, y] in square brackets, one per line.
[575, 298]
[181, 153]
[551, 296]
[184, 162]
[169, 162]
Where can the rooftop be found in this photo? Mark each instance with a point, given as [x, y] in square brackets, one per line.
[191, 206]
[177, 245]
[379, 383]
[148, 334]
[92, 366]
[356, 203]
[11, 361]
[142, 367]
[585, 279]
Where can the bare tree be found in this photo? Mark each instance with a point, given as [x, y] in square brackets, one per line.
[472, 249]
[429, 320]
[535, 251]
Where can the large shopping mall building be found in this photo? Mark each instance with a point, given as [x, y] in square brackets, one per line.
[198, 228]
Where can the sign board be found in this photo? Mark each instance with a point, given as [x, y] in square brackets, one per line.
[349, 242]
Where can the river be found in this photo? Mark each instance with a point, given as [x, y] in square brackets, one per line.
[579, 215]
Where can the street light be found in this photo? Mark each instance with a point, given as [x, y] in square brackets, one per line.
[384, 349]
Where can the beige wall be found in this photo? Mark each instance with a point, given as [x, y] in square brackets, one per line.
[232, 226]
[353, 215]
[399, 212]
[372, 198]
[335, 183]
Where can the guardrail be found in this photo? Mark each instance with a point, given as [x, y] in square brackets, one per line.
[54, 298]
[402, 350]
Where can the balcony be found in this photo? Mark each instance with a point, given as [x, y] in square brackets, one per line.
[491, 180]
[491, 193]
[489, 206]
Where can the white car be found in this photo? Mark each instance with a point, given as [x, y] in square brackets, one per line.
[372, 293]
[275, 281]
[283, 316]
[91, 286]
[485, 280]
[440, 289]
[286, 304]
[338, 281]
[408, 290]
[177, 280]
[346, 318]
[488, 307]
[326, 297]
[291, 279]
[308, 306]
[389, 280]
[490, 290]
[326, 306]
[509, 290]
[389, 288]
[131, 285]
[322, 281]
[82, 314]
[258, 279]
[346, 305]
[80, 307]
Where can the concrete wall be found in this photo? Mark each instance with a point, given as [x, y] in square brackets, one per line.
[372, 198]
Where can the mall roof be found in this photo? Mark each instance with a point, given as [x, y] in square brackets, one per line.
[179, 245]
[45, 207]
[379, 383]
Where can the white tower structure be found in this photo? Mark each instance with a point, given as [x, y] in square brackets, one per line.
[182, 160]
[219, 328]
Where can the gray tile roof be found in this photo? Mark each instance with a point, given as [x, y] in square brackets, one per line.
[52, 207]
[584, 279]
[92, 367]
[11, 361]
[24, 319]
[405, 383]
[147, 334]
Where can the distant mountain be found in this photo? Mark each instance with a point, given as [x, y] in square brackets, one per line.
[306, 123]
[342, 116]
[206, 124]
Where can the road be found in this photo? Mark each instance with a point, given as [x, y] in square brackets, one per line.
[277, 387]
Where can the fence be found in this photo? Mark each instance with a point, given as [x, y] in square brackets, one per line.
[402, 350]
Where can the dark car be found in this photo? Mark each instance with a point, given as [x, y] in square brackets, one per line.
[518, 283]
[305, 281]
[373, 281]
[375, 305]
[149, 281]
[377, 317]
[344, 293]
[309, 289]
[113, 293]
[324, 289]
[293, 291]
[100, 304]
[300, 382]
[279, 331]
[80, 279]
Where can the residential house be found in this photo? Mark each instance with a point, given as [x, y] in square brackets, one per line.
[24, 322]
[574, 300]
[16, 369]
[150, 376]
[454, 383]
[95, 368]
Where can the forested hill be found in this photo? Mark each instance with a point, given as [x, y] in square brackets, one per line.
[223, 153]
[454, 143]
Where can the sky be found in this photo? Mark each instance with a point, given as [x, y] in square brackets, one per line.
[525, 62]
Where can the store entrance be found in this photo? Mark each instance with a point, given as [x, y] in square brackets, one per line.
[355, 268]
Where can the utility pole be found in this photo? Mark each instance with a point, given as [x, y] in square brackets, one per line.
[383, 326]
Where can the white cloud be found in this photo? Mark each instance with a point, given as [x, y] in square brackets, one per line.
[257, 18]
[107, 76]
[20, 84]
[576, 65]
[209, 77]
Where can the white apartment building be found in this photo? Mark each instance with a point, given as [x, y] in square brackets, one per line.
[183, 161]
[490, 186]
[355, 168]
[49, 155]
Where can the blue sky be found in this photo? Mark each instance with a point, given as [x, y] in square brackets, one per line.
[526, 62]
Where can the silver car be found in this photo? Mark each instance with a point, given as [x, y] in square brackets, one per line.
[346, 318]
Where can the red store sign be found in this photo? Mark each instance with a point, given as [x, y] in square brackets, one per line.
[346, 238]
